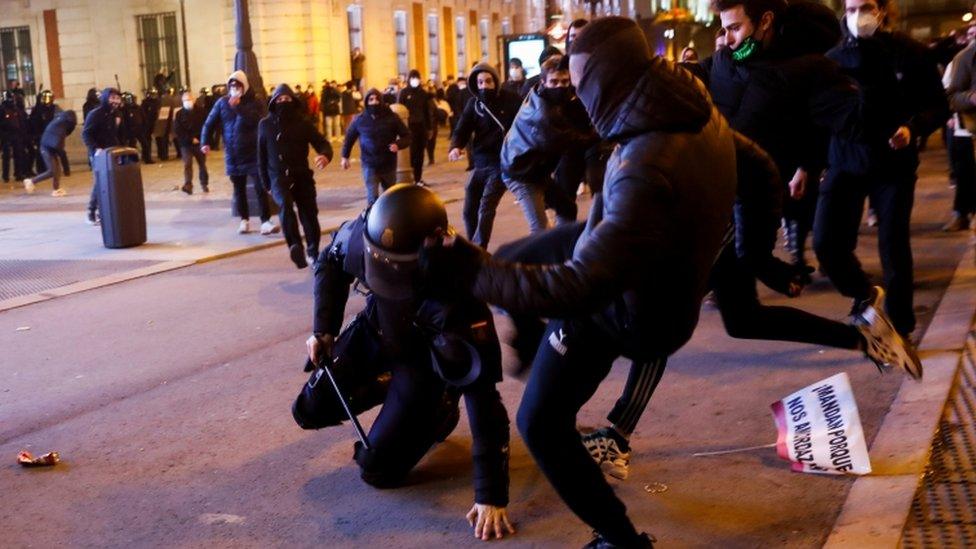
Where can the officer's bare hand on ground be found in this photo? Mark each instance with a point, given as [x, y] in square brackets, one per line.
[319, 346]
[489, 521]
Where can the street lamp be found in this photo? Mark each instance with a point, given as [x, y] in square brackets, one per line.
[244, 59]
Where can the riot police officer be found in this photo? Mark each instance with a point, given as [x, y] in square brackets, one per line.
[13, 137]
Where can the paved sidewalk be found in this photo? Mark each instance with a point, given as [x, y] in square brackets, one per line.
[181, 229]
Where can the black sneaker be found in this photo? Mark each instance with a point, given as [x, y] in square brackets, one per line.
[298, 256]
[205, 187]
[188, 189]
[92, 218]
[643, 541]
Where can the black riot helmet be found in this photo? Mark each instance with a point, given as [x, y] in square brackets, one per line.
[128, 98]
[396, 226]
[46, 97]
[8, 96]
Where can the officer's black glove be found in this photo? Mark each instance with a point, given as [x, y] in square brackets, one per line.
[449, 266]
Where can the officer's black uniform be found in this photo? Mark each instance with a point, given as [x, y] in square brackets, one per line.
[14, 134]
[411, 419]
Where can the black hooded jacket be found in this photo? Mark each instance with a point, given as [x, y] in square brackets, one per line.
[420, 106]
[488, 120]
[641, 266]
[283, 142]
[541, 133]
[59, 129]
[375, 132]
[901, 87]
[102, 126]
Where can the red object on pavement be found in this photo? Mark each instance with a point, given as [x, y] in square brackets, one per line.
[49, 459]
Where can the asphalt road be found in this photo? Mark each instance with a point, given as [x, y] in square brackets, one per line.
[169, 399]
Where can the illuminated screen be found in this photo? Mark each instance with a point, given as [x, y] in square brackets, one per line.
[528, 51]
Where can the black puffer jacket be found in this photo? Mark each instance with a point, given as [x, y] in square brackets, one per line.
[283, 143]
[901, 87]
[643, 261]
[376, 132]
[488, 121]
[541, 134]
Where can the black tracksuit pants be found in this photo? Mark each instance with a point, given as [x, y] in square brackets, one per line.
[839, 210]
[418, 148]
[240, 197]
[301, 196]
[14, 149]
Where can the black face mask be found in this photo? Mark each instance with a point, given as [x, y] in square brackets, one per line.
[286, 110]
[558, 96]
[486, 94]
[373, 110]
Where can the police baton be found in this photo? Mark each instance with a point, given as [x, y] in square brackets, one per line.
[324, 364]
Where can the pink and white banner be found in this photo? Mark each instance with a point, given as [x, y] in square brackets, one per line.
[820, 429]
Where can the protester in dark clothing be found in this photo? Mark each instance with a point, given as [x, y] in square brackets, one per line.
[903, 101]
[640, 268]
[134, 128]
[284, 137]
[457, 96]
[516, 77]
[239, 113]
[381, 135]
[52, 149]
[484, 122]
[331, 110]
[216, 92]
[14, 137]
[102, 130]
[187, 126]
[551, 121]
[420, 120]
[411, 336]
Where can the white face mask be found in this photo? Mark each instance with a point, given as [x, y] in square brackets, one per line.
[188, 105]
[414, 82]
[863, 25]
[516, 73]
[236, 92]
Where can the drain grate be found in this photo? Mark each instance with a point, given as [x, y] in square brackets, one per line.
[26, 277]
[943, 512]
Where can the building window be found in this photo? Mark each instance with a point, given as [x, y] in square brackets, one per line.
[485, 43]
[460, 28]
[402, 48]
[433, 45]
[506, 26]
[159, 49]
[16, 58]
[354, 16]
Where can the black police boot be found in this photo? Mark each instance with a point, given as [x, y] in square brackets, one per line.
[643, 541]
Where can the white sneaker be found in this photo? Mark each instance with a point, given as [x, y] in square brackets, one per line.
[29, 185]
[244, 227]
[883, 344]
[605, 451]
[268, 228]
[58, 193]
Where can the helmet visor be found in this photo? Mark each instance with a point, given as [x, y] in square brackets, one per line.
[388, 274]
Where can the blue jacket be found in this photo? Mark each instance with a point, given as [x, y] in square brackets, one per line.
[102, 125]
[375, 134]
[240, 125]
[58, 129]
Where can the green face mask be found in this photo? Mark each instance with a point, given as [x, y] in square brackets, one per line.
[748, 49]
